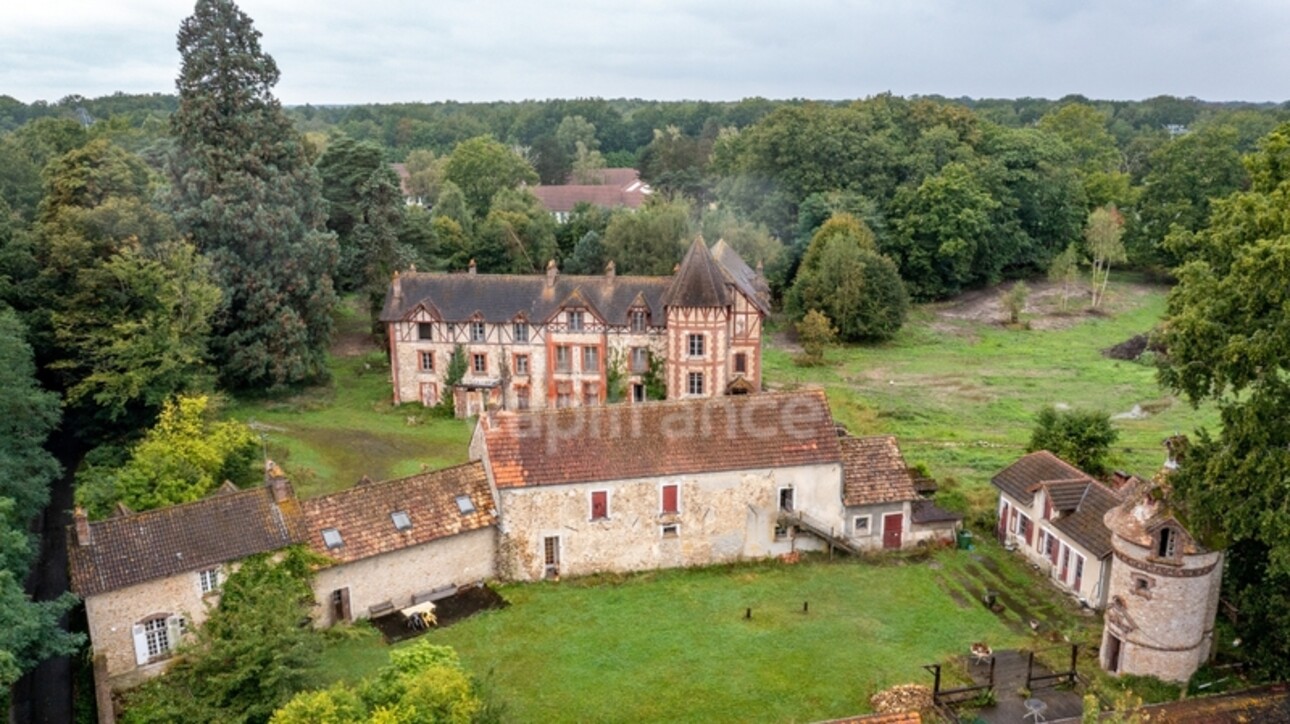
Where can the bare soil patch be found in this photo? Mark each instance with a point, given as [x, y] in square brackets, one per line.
[1044, 307]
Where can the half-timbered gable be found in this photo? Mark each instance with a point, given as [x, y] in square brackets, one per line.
[550, 340]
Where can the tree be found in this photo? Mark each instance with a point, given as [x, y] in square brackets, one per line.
[588, 165]
[588, 255]
[1015, 301]
[244, 189]
[28, 414]
[255, 651]
[30, 631]
[1103, 234]
[815, 332]
[481, 167]
[844, 277]
[452, 377]
[425, 173]
[1082, 438]
[1065, 269]
[651, 240]
[517, 236]
[1225, 333]
[752, 241]
[183, 458]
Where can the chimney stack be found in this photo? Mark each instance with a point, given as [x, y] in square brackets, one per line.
[470, 268]
[397, 283]
[609, 269]
[552, 271]
[83, 535]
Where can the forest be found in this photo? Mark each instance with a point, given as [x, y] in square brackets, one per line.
[159, 251]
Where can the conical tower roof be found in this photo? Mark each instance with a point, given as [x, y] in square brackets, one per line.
[699, 282]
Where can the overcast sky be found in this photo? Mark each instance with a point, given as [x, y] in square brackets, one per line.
[378, 51]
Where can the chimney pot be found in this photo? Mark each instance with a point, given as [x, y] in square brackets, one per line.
[552, 271]
[84, 536]
[470, 268]
[609, 269]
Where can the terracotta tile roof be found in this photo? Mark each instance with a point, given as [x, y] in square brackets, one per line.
[1066, 494]
[908, 717]
[699, 282]
[562, 199]
[874, 471]
[1262, 704]
[1085, 524]
[925, 511]
[617, 442]
[363, 515]
[1018, 479]
[140, 547]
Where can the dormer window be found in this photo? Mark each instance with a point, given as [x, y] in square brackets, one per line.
[465, 504]
[477, 332]
[638, 320]
[521, 332]
[1166, 542]
[401, 520]
[332, 539]
[576, 319]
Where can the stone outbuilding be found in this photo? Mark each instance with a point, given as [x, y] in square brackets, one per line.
[1164, 590]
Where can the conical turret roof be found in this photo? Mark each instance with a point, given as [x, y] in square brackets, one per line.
[699, 282]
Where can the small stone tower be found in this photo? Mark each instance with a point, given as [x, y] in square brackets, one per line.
[1163, 590]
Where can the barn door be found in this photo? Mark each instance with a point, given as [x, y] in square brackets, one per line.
[340, 612]
[891, 530]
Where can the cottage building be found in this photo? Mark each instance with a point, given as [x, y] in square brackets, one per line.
[401, 542]
[148, 577]
[1051, 512]
[616, 188]
[550, 341]
[1164, 590]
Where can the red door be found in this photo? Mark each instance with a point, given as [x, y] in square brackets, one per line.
[891, 533]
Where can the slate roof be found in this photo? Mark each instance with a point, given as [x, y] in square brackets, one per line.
[362, 514]
[925, 511]
[874, 471]
[737, 272]
[620, 442]
[139, 547]
[1018, 479]
[501, 298]
[699, 282]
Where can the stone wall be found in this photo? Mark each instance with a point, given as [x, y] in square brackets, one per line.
[397, 576]
[722, 517]
[1162, 612]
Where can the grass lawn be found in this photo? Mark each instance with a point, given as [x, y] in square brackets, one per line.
[961, 393]
[674, 645]
[327, 437]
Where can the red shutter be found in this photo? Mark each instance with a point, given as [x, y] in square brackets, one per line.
[1030, 530]
[669, 499]
[599, 505]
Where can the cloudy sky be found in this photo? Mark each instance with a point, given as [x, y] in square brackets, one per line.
[346, 51]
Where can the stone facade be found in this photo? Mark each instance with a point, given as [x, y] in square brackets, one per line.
[1164, 593]
[559, 530]
[395, 578]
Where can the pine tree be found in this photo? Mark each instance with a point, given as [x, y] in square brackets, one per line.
[246, 193]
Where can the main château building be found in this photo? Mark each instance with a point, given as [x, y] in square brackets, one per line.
[539, 341]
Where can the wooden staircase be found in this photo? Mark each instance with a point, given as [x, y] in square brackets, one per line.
[819, 529]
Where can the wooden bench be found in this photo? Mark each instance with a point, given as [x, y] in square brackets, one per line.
[435, 594]
[381, 609]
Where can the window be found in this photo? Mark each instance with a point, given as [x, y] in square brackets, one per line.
[1165, 543]
[156, 637]
[638, 320]
[563, 400]
[452, 331]
[671, 499]
[563, 358]
[425, 331]
[741, 362]
[1079, 571]
[786, 499]
[477, 333]
[590, 394]
[575, 321]
[695, 383]
[521, 364]
[427, 361]
[551, 556]
[208, 580]
[465, 504]
[781, 532]
[401, 520]
[1050, 547]
[590, 359]
[638, 392]
[600, 505]
[671, 530]
[520, 332]
[860, 526]
[696, 345]
[522, 397]
[331, 538]
[640, 360]
[479, 363]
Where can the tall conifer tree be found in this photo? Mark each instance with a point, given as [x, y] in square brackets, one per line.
[246, 192]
